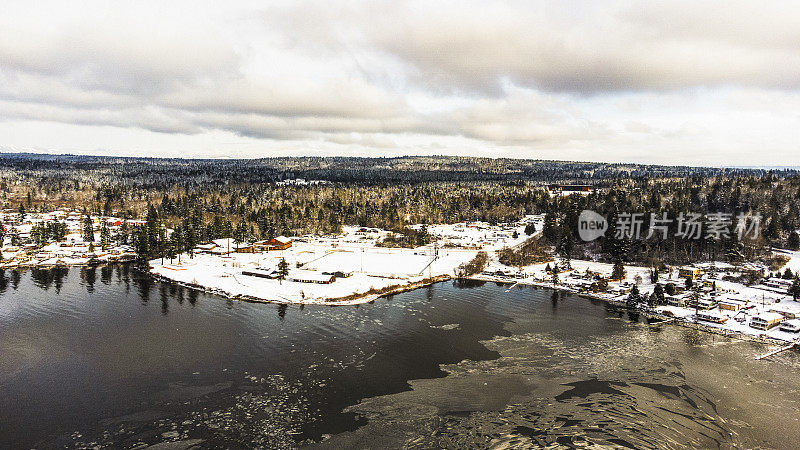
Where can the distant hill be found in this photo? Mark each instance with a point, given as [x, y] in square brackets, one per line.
[360, 170]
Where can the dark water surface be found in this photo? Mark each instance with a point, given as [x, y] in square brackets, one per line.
[106, 356]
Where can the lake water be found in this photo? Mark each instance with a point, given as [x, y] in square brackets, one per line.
[107, 356]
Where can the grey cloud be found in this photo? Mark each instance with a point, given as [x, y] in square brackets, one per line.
[118, 58]
[567, 47]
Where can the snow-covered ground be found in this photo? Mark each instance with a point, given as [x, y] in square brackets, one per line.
[755, 300]
[369, 268]
[362, 266]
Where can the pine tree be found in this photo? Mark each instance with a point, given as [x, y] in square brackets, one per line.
[618, 272]
[794, 241]
[658, 293]
[794, 289]
[88, 229]
[633, 297]
[13, 234]
[283, 270]
[105, 236]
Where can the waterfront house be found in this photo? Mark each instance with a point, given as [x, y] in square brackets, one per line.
[790, 326]
[700, 303]
[711, 316]
[675, 300]
[311, 277]
[766, 321]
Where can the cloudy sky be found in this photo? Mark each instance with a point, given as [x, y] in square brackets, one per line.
[686, 82]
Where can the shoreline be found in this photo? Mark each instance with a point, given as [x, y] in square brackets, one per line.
[371, 296]
[650, 314]
[375, 294]
[352, 299]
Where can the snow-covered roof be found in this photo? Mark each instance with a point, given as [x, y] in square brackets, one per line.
[310, 276]
[769, 316]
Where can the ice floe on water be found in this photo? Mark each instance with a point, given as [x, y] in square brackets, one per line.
[449, 326]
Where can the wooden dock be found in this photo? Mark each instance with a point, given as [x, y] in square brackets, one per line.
[775, 352]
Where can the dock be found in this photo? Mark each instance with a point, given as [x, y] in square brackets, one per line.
[775, 352]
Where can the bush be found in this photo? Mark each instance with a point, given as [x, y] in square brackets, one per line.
[475, 265]
[531, 252]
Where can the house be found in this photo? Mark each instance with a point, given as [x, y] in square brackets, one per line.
[278, 243]
[711, 316]
[225, 246]
[730, 305]
[790, 326]
[311, 277]
[261, 273]
[570, 188]
[701, 303]
[765, 321]
[205, 248]
[675, 300]
[339, 274]
[786, 313]
[243, 247]
[692, 273]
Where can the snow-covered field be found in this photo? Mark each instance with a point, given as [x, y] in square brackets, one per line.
[370, 268]
[362, 266]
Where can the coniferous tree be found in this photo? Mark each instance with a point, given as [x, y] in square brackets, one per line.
[88, 229]
[618, 271]
[283, 270]
[794, 241]
[794, 289]
[105, 236]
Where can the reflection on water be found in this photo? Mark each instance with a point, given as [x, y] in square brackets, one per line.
[106, 356]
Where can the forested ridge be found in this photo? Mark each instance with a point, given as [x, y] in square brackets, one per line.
[206, 199]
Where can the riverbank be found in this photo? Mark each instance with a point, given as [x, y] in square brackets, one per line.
[683, 321]
[352, 299]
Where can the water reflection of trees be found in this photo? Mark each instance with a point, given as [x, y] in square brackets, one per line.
[88, 277]
[59, 273]
[192, 297]
[143, 285]
[163, 291]
[465, 283]
[3, 280]
[105, 274]
[15, 279]
[41, 278]
[282, 310]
